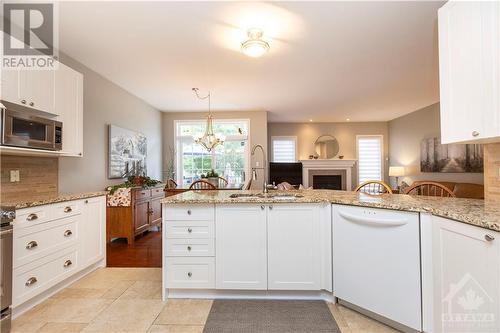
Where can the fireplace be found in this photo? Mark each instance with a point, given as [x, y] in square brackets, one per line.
[327, 182]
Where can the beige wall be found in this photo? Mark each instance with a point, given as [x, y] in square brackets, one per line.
[106, 103]
[258, 131]
[345, 133]
[406, 133]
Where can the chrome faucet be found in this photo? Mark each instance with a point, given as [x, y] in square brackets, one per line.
[254, 170]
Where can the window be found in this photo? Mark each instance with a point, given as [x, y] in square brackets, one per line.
[369, 149]
[284, 148]
[230, 160]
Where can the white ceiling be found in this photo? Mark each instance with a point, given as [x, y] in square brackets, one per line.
[367, 61]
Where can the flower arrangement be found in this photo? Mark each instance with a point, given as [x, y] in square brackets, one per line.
[134, 181]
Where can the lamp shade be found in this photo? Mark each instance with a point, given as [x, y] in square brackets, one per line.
[396, 171]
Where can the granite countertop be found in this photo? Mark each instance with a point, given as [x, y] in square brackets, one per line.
[46, 200]
[471, 211]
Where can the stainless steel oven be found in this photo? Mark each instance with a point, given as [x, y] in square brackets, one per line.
[22, 129]
[7, 216]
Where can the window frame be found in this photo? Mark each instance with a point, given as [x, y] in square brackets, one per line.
[284, 137]
[178, 139]
[381, 136]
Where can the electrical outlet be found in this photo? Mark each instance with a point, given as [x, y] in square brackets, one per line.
[14, 176]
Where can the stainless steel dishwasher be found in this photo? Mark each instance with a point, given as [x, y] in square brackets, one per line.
[7, 216]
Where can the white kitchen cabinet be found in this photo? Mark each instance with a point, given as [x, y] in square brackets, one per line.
[37, 89]
[92, 231]
[69, 107]
[469, 49]
[241, 247]
[461, 276]
[10, 85]
[294, 247]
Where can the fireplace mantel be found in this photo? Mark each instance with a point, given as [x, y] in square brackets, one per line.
[334, 164]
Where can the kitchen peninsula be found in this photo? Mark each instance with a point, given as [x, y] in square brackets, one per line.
[322, 244]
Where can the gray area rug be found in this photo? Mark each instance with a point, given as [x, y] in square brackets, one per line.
[269, 316]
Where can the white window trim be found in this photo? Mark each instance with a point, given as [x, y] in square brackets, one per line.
[179, 138]
[284, 137]
[382, 152]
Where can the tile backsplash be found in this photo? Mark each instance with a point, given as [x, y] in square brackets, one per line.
[38, 177]
[492, 172]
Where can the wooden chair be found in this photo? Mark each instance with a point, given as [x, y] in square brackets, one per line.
[222, 182]
[373, 187]
[432, 189]
[202, 185]
[171, 183]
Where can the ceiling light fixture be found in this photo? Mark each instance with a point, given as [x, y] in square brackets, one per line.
[208, 140]
[255, 46]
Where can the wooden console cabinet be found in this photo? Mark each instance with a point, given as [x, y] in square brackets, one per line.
[143, 213]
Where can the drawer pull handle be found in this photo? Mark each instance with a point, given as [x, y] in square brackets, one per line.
[67, 263]
[68, 209]
[189, 247]
[190, 230]
[32, 217]
[475, 133]
[489, 237]
[31, 281]
[32, 104]
[271, 207]
[31, 245]
[262, 207]
[68, 233]
[189, 211]
[190, 274]
[23, 101]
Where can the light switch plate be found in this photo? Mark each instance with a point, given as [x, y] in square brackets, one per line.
[14, 176]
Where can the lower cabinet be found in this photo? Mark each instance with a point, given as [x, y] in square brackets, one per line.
[92, 231]
[461, 277]
[241, 247]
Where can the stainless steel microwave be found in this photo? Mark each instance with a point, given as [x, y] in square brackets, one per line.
[21, 129]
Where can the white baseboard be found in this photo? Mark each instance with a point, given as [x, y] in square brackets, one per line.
[22, 308]
[250, 294]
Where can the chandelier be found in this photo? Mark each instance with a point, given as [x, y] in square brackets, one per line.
[208, 140]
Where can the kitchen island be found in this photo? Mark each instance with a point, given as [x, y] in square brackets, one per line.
[390, 256]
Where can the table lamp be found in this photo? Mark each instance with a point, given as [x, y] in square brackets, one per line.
[396, 171]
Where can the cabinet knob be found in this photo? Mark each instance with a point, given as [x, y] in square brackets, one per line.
[31, 245]
[32, 280]
[32, 217]
[190, 274]
[67, 263]
[190, 230]
[475, 133]
[189, 211]
[23, 101]
[189, 248]
[262, 207]
[68, 209]
[489, 237]
[32, 104]
[68, 233]
[86, 201]
[271, 207]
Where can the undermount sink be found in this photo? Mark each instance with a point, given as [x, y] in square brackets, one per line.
[246, 195]
[285, 196]
[277, 196]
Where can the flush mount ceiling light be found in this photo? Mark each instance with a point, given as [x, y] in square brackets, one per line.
[255, 46]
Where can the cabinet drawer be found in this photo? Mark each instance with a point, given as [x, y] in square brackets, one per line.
[32, 216]
[189, 229]
[157, 192]
[189, 212]
[190, 272]
[32, 279]
[68, 208]
[190, 247]
[44, 239]
[142, 194]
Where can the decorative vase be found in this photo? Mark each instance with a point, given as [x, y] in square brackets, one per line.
[214, 181]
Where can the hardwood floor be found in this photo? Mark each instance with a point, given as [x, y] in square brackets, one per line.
[146, 251]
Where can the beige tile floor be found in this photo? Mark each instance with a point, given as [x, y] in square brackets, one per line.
[129, 300]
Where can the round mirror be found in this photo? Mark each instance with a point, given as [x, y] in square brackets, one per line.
[326, 146]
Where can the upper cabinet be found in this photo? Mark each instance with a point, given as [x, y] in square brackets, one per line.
[469, 46]
[69, 107]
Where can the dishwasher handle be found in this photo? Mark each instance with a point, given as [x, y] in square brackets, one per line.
[373, 221]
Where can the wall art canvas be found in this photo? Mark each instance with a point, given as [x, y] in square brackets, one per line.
[127, 153]
[436, 157]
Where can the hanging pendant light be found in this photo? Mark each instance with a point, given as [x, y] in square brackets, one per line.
[208, 140]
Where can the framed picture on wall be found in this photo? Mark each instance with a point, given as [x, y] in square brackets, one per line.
[127, 153]
[453, 158]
